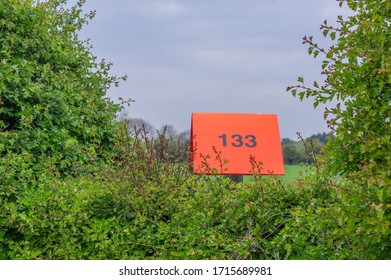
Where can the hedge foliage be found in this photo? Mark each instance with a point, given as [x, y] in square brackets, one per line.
[143, 208]
[52, 89]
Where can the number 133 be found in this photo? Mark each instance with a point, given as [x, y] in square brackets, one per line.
[249, 141]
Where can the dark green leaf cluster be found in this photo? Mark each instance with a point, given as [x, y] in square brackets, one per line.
[357, 71]
[52, 89]
[357, 161]
[145, 207]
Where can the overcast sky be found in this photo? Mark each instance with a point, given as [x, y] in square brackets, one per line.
[184, 56]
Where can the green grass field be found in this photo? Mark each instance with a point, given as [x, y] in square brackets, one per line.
[292, 172]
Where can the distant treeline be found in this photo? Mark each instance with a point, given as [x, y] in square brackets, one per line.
[303, 150]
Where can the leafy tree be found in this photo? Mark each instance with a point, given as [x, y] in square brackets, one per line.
[357, 69]
[291, 155]
[285, 141]
[353, 217]
[52, 89]
[322, 137]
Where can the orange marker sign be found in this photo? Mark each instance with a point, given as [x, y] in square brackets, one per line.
[225, 142]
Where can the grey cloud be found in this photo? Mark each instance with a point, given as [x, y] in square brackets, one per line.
[211, 55]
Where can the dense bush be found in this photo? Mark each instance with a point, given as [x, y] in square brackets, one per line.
[143, 208]
[357, 162]
[52, 89]
[139, 208]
